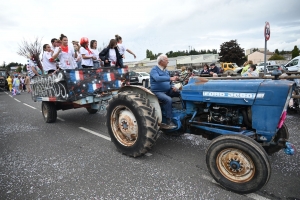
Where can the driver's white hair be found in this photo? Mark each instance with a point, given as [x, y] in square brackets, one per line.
[161, 57]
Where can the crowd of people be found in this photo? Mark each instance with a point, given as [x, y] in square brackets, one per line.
[18, 84]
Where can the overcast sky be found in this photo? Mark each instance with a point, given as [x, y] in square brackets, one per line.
[159, 26]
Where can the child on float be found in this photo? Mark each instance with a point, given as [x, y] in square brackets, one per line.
[122, 48]
[86, 54]
[49, 64]
[65, 54]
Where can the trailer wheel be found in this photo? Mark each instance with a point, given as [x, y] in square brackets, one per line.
[49, 111]
[132, 124]
[238, 163]
[92, 111]
[283, 132]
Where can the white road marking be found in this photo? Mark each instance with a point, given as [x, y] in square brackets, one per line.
[10, 96]
[17, 100]
[60, 119]
[29, 106]
[148, 154]
[256, 196]
[97, 134]
[6, 93]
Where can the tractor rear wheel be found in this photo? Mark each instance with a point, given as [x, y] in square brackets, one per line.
[132, 124]
[49, 111]
[238, 163]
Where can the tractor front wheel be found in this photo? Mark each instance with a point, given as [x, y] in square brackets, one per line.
[282, 133]
[238, 163]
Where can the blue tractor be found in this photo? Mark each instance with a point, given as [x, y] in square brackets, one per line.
[243, 118]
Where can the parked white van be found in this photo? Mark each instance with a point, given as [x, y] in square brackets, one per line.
[269, 62]
[293, 65]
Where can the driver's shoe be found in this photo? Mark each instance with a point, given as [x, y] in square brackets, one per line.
[169, 125]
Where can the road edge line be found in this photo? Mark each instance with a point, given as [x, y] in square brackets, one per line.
[94, 133]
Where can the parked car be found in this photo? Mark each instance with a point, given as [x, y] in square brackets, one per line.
[270, 62]
[133, 76]
[270, 68]
[293, 65]
[174, 73]
[143, 76]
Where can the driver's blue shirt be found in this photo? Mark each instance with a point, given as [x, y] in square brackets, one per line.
[159, 80]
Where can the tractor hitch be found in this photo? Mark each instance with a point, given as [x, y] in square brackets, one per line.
[289, 149]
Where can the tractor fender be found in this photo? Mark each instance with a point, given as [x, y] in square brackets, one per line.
[148, 95]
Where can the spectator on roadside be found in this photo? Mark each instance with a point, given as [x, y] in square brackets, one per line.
[49, 64]
[65, 54]
[78, 59]
[122, 48]
[16, 84]
[251, 71]
[214, 69]
[9, 83]
[111, 55]
[183, 72]
[247, 66]
[27, 83]
[188, 75]
[205, 69]
[86, 54]
[93, 46]
[22, 85]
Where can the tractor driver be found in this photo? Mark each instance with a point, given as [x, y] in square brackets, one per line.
[160, 82]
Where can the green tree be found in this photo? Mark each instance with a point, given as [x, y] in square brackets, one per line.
[19, 69]
[24, 68]
[232, 52]
[203, 51]
[12, 64]
[276, 51]
[149, 54]
[276, 57]
[295, 52]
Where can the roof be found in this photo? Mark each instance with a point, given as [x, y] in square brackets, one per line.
[268, 52]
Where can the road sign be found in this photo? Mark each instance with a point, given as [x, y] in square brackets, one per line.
[267, 31]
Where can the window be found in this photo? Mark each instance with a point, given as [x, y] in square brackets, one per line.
[295, 62]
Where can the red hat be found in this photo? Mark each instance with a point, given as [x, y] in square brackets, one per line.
[84, 41]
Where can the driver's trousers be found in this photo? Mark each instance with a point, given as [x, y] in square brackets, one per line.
[166, 99]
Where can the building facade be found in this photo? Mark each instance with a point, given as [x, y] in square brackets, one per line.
[258, 56]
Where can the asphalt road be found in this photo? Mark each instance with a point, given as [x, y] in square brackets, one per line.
[68, 160]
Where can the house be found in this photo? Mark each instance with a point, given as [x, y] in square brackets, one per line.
[249, 51]
[259, 56]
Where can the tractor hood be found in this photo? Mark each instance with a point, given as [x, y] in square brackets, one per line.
[235, 92]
